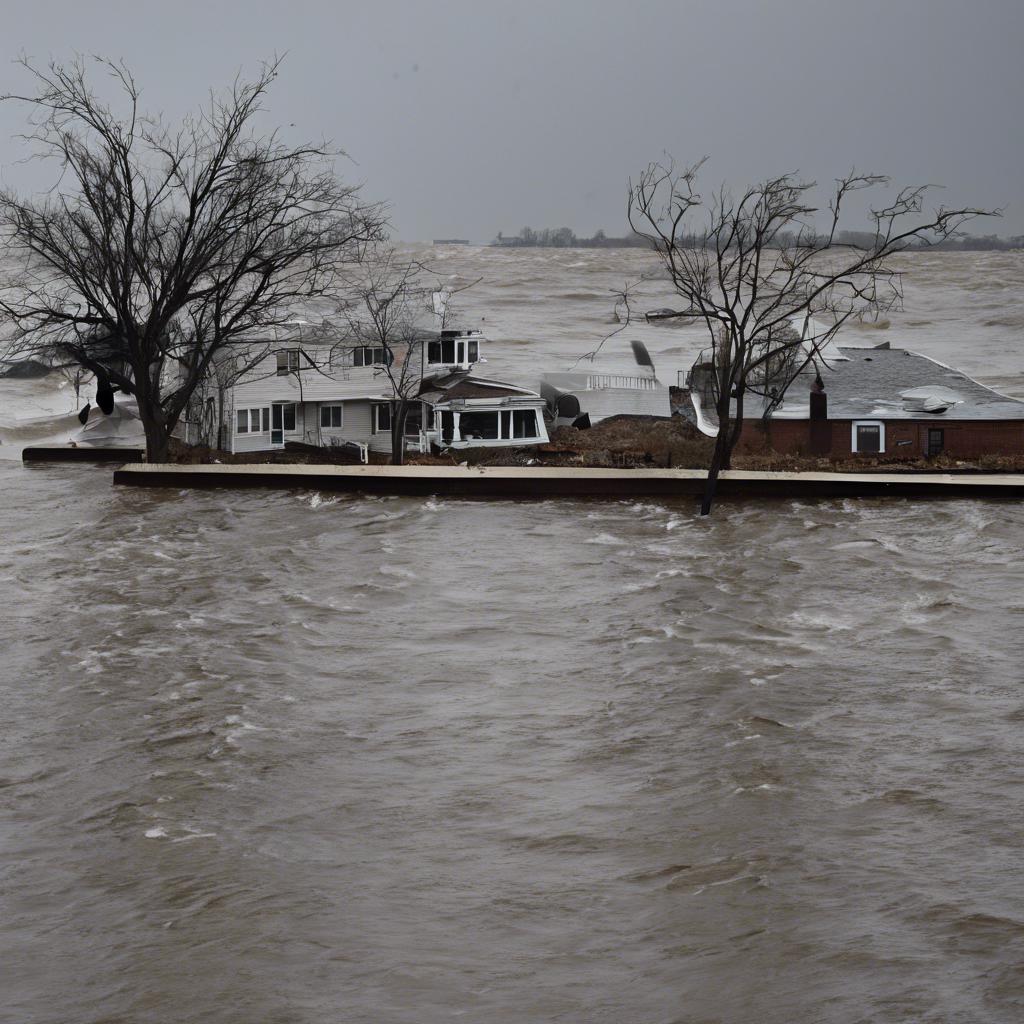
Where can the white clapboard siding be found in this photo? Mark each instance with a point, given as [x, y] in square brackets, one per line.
[258, 442]
[357, 425]
[335, 382]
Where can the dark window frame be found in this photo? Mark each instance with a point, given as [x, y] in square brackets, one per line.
[288, 361]
[872, 434]
[382, 418]
[372, 355]
[334, 411]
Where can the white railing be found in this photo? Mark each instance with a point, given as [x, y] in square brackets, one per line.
[599, 381]
[418, 443]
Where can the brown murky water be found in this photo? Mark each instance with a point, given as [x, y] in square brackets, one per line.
[290, 757]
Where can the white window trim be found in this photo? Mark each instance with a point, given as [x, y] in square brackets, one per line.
[460, 351]
[253, 418]
[292, 361]
[868, 423]
[373, 350]
[294, 406]
[332, 405]
[504, 437]
[376, 407]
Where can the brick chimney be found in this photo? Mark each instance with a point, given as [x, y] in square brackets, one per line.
[820, 428]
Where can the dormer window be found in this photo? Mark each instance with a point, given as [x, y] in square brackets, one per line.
[453, 349]
[287, 362]
[371, 355]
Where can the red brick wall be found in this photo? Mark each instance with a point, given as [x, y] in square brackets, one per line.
[963, 439]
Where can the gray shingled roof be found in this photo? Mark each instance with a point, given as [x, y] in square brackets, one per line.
[869, 383]
[461, 385]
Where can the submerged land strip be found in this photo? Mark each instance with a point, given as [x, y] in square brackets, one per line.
[532, 482]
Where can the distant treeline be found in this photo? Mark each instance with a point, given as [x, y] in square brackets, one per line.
[566, 238]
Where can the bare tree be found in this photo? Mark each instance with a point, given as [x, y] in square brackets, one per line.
[388, 296]
[392, 294]
[622, 315]
[160, 245]
[206, 406]
[771, 288]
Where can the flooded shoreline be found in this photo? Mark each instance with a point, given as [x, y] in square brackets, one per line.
[301, 756]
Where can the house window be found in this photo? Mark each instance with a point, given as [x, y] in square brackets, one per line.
[247, 421]
[479, 426]
[868, 437]
[441, 351]
[518, 424]
[936, 441]
[287, 362]
[524, 423]
[371, 355]
[330, 416]
[381, 419]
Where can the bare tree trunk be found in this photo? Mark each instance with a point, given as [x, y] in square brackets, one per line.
[729, 430]
[719, 461]
[399, 414]
[158, 442]
[735, 430]
[219, 442]
[158, 437]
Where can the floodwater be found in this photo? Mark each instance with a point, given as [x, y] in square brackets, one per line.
[293, 757]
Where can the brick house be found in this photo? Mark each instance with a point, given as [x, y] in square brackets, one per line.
[883, 403]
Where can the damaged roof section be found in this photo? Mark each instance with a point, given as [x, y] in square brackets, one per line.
[873, 383]
[461, 387]
[891, 383]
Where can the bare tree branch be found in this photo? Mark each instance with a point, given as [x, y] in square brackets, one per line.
[159, 246]
[758, 272]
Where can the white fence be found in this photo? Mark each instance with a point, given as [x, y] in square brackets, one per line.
[600, 381]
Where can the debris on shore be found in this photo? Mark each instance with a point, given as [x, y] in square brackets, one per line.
[619, 442]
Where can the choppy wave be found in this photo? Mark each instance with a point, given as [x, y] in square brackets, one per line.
[332, 757]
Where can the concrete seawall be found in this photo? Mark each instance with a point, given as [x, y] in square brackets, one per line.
[547, 482]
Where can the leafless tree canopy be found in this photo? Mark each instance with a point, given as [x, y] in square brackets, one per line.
[160, 245]
[388, 296]
[391, 298]
[773, 287]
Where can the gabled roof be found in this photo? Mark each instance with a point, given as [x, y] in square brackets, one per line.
[457, 386]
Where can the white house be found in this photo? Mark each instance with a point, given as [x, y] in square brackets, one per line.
[308, 384]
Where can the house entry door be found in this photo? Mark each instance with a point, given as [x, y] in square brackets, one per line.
[282, 421]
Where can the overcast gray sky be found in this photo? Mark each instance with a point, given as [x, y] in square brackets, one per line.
[473, 116]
